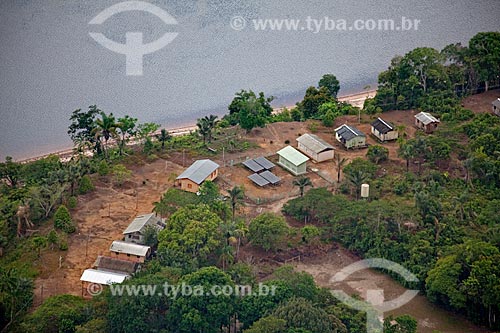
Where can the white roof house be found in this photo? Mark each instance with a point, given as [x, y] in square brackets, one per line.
[292, 160]
[103, 277]
[129, 248]
[315, 147]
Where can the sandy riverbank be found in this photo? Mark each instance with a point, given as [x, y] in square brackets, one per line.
[356, 99]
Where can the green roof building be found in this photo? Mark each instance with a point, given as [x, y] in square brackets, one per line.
[292, 160]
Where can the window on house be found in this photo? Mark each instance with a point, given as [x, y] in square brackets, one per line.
[190, 185]
[128, 254]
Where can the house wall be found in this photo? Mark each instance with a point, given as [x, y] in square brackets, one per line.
[303, 148]
[355, 142]
[429, 128]
[190, 186]
[392, 135]
[187, 185]
[134, 237]
[325, 155]
[294, 169]
[496, 110]
[127, 257]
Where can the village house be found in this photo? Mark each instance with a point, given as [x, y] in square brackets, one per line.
[200, 171]
[496, 106]
[104, 263]
[130, 251]
[94, 278]
[350, 136]
[426, 122]
[135, 231]
[292, 160]
[384, 130]
[316, 148]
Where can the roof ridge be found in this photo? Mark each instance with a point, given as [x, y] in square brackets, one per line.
[382, 120]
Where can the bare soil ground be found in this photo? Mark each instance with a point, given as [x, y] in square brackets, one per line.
[481, 103]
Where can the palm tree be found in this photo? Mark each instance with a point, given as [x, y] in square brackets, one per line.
[163, 137]
[236, 195]
[106, 128]
[161, 208]
[211, 122]
[240, 231]
[340, 162]
[302, 182]
[203, 128]
[406, 151]
[357, 178]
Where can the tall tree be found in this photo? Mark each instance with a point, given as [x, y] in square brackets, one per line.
[340, 163]
[105, 129]
[82, 129]
[163, 137]
[236, 196]
[11, 171]
[126, 126]
[330, 82]
[484, 49]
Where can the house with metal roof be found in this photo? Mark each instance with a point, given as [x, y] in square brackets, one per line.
[292, 160]
[94, 279]
[426, 122]
[104, 263]
[129, 251]
[200, 171]
[135, 230]
[496, 106]
[316, 148]
[384, 130]
[350, 136]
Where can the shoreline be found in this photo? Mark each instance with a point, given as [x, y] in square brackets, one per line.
[356, 99]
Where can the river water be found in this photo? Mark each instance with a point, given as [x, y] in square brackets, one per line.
[50, 66]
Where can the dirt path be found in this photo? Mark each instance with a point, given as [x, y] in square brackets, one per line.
[429, 316]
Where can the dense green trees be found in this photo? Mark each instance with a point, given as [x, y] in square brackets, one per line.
[192, 235]
[268, 231]
[249, 110]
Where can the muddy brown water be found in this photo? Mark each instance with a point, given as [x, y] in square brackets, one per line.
[430, 317]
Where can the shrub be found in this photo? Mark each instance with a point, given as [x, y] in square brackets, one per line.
[400, 187]
[62, 220]
[72, 202]
[309, 233]
[377, 154]
[103, 168]
[121, 174]
[85, 185]
[268, 231]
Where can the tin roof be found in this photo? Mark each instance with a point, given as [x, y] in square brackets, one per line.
[199, 171]
[293, 155]
[348, 132]
[102, 277]
[426, 118]
[382, 126]
[129, 248]
[141, 221]
[314, 143]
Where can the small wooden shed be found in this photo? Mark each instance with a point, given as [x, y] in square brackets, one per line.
[426, 122]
